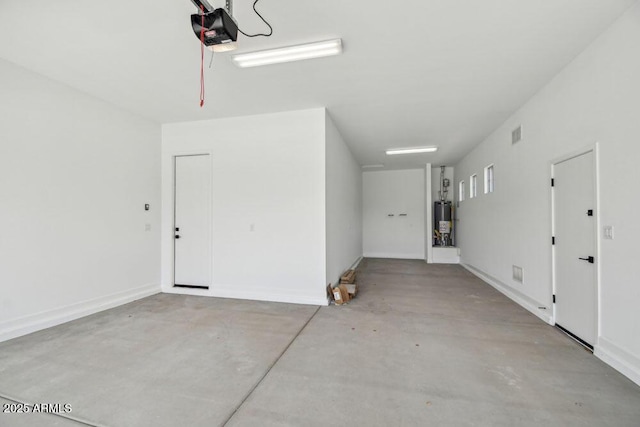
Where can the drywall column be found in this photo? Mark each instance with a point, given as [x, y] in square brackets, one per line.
[268, 204]
[343, 205]
[428, 235]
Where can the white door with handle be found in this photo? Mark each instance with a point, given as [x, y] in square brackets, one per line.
[192, 232]
[576, 293]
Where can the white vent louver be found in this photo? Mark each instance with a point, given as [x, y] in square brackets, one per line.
[518, 274]
[516, 135]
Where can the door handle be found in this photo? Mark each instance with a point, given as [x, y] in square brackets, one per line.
[590, 259]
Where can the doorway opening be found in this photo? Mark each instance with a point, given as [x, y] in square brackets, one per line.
[574, 194]
[192, 221]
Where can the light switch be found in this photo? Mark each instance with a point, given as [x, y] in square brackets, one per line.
[147, 227]
[608, 232]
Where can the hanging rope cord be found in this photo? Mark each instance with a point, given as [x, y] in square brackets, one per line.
[263, 20]
[202, 85]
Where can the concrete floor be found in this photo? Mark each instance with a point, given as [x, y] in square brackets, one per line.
[421, 345]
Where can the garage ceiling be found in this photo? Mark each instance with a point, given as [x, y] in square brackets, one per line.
[418, 72]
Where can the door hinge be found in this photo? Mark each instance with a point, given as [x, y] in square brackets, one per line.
[553, 240]
[554, 299]
[553, 182]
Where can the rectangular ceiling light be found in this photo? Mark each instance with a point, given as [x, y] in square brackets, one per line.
[288, 54]
[415, 150]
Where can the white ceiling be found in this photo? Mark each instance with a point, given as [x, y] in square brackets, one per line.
[427, 72]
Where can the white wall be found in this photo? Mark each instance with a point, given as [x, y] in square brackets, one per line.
[269, 171]
[595, 99]
[343, 205]
[394, 192]
[75, 173]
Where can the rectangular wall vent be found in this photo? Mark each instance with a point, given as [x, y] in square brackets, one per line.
[516, 135]
[518, 274]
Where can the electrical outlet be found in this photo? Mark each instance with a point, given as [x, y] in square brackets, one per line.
[147, 227]
[516, 135]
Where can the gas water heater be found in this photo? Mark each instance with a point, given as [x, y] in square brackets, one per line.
[443, 215]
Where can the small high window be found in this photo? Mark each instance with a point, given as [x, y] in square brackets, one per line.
[488, 179]
[461, 190]
[473, 186]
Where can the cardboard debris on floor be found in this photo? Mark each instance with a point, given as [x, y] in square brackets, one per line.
[330, 292]
[341, 295]
[353, 290]
[346, 290]
[349, 277]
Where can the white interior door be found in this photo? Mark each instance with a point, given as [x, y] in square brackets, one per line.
[575, 247]
[192, 221]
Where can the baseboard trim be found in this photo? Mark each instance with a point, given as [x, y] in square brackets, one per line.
[619, 359]
[522, 300]
[357, 263]
[393, 256]
[254, 295]
[46, 319]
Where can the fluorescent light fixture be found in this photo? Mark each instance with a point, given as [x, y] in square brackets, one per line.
[415, 150]
[288, 54]
[224, 47]
[372, 166]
